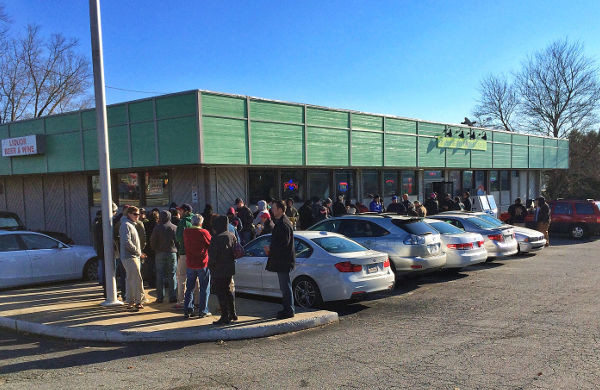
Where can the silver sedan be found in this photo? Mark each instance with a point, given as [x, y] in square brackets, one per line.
[462, 248]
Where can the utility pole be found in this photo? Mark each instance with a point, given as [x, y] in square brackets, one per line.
[103, 156]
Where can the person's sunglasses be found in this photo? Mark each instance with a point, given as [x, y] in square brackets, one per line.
[135, 213]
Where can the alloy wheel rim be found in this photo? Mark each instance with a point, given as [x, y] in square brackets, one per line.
[577, 232]
[305, 294]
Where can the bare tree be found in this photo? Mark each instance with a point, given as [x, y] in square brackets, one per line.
[42, 76]
[559, 90]
[498, 101]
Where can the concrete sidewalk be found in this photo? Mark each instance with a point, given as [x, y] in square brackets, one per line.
[73, 311]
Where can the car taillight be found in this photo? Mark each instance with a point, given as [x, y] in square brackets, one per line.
[496, 237]
[514, 235]
[347, 266]
[464, 247]
[480, 243]
[386, 263]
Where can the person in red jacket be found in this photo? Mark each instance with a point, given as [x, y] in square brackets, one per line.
[196, 241]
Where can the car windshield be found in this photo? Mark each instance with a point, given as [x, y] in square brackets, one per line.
[338, 245]
[490, 219]
[414, 226]
[445, 228]
[8, 223]
[481, 223]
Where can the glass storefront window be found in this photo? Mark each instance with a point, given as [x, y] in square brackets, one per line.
[504, 180]
[319, 184]
[454, 178]
[467, 180]
[344, 184]
[157, 188]
[409, 183]
[261, 185]
[96, 196]
[128, 188]
[390, 183]
[370, 183]
[494, 181]
[480, 186]
[293, 185]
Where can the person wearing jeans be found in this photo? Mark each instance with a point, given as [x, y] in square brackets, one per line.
[196, 241]
[282, 257]
[162, 242]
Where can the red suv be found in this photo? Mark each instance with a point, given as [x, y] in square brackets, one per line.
[579, 218]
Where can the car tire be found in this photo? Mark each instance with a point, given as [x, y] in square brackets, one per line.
[578, 232]
[306, 293]
[90, 270]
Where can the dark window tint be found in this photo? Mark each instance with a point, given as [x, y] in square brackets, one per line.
[358, 228]
[256, 248]
[327, 226]
[9, 243]
[8, 223]
[445, 228]
[562, 208]
[303, 250]
[481, 223]
[584, 208]
[455, 222]
[414, 226]
[338, 245]
[34, 241]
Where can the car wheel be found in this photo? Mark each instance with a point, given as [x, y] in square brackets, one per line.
[90, 270]
[306, 293]
[578, 232]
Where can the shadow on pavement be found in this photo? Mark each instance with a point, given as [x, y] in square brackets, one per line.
[564, 240]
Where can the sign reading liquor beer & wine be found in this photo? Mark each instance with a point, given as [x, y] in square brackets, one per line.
[461, 143]
[23, 146]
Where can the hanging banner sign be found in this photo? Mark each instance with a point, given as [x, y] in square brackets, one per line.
[461, 143]
[23, 146]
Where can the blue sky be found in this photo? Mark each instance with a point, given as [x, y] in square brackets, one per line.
[419, 59]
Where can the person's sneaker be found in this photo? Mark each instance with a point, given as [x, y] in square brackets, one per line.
[187, 315]
[282, 315]
[203, 315]
[234, 317]
[222, 321]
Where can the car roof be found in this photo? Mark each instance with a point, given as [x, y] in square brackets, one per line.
[382, 216]
[5, 232]
[310, 234]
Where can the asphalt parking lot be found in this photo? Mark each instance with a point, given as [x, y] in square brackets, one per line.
[522, 323]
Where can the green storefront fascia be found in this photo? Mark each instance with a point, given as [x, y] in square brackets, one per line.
[207, 128]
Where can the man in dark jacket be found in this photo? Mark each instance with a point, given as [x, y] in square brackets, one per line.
[221, 263]
[396, 207]
[162, 242]
[406, 202]
[305, 215]
[245, 215]
[432, 205]
[339, 208]
[282, 257]
[447, 204]
[542, 217]
[467, 201]
[517, 213]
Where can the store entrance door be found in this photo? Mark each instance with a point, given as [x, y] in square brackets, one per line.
[443, 187]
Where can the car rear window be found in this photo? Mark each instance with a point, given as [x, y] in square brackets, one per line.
[490, 219]
[445, 228]
[584, 208]
[481, 223]
[338, 245]
[8, 223]
[414, 226]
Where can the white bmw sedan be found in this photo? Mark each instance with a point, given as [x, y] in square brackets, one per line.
[28, 258]
[462, 248]
[329, 267]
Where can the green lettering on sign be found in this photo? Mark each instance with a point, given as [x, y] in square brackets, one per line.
[461, 143]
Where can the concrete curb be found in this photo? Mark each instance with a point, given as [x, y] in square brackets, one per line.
[204, 333]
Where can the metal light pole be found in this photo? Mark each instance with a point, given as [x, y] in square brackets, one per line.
[103, 156]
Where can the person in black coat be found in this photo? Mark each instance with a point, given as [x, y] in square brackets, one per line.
[467, 201]
[339, 208]
[432, 205]
[305, 217]
[221, 263]
[282, 257]
[396, 207]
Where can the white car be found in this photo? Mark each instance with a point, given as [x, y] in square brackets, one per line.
[462, 248]
[28, 258]
[529, 240]
[329, 267]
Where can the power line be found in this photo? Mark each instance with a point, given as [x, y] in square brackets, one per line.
[135, 90]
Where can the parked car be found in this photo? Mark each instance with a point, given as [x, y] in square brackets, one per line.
[11, 221]
[578, 218]
[329, 267]
[413, 245]
[462, 248]
[529, 240]
[499, 241]
[29, 257]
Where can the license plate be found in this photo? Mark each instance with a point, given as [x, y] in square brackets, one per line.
[371, 269]
[433, 248]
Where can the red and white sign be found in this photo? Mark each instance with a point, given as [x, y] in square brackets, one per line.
[22, 146]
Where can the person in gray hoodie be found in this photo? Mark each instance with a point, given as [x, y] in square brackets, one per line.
[131, 252]
[262, 206]
[162, 242]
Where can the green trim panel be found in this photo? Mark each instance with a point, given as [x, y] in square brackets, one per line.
[4, 161]
[429, 154]
[118, 146]
[520, 156]
[223, 106]
[141, 111]
[276, 112]
[501, 155]
[400, 150]
[458, 158]
[88, 119]
[90, 149]
[501, 137]
[276, 144]
[62, 123]
[20, 129]
[367, 149]
[116, 115]
[562, 158]
[536, 157]
[28, 164]
[178, 141]
[327, 147]
[64, 152]
[551, 142]
[366, 122]
[550, 155]
[400, 125]
[519, 139]
[431, 129]
[326, 118]
[143, 153]
[225, 141]
[482, 158]
[563, 143]
[537, 141]
[176, 106]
